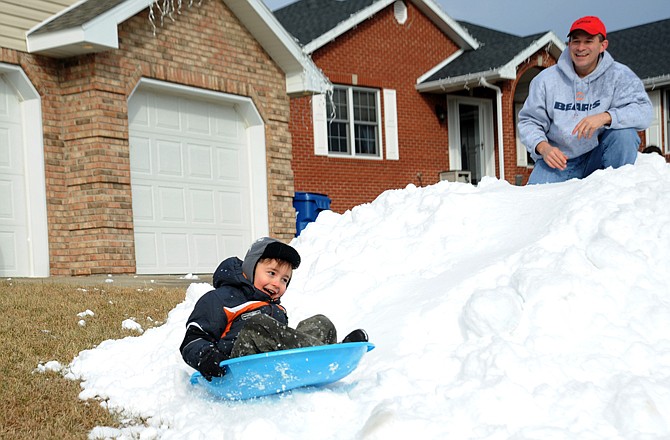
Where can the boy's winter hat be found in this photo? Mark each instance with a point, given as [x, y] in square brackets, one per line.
[589, 24]
[268, 247]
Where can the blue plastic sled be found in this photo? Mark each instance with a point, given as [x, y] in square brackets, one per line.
[278, 371]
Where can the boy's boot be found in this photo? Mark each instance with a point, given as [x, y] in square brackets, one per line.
[358, 335]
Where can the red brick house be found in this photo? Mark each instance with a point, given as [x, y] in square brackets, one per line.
[416, 94]
[138, 145]
[646, 50]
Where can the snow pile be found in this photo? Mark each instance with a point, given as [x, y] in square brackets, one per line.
[498, 312]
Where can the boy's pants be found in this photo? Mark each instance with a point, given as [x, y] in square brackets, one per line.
[262, 334]
[615, 149]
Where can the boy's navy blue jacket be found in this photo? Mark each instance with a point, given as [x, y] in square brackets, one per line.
[219, 315]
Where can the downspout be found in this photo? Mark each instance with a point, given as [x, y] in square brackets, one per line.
[501, 155]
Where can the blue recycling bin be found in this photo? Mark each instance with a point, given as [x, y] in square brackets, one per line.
[308, 206]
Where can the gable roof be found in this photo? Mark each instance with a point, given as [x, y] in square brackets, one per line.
[645, 49]
[497, 58]
[91, 26]
[315, 23]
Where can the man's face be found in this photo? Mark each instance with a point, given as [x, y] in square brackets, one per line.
[272, 277]
[585, 50]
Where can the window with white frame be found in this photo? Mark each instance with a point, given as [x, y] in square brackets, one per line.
[353, 122]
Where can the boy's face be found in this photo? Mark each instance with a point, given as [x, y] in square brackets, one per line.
[272, 276]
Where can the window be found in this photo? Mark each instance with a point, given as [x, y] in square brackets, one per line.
[353, 122]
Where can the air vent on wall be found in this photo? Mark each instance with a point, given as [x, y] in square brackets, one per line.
[400, 12]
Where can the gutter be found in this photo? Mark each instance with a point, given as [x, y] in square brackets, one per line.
[501, 155]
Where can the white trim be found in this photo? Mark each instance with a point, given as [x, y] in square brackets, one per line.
[100, 33]
[258, 185]
[35, 177]
[653, 132]
[391, 125]
[445, 23]
[506, 72]
[320, 125]
[485, 132]
[439, 67]
[499, 122]
[657, 81]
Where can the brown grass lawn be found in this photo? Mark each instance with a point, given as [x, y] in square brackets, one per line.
[39, 323]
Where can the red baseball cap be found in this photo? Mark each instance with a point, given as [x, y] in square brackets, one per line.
[589, 24]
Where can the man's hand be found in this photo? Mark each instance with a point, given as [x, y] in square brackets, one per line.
[590, 124]
[552, 156]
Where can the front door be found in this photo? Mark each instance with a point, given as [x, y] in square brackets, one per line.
[471, 137]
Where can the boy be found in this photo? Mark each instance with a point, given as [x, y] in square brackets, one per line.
[243, 315]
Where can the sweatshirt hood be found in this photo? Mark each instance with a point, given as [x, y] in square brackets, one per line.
[566, 68]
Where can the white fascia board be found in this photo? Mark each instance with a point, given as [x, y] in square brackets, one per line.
[657, 81]
[104, 36]
[447, 24]
[100, 33]
[439, 67]
[302, 75]
[555, 47]
[353, 21]
[506, 72]
[471, 80]
[428, 7]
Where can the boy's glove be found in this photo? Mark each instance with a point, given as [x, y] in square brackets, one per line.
[209, 363]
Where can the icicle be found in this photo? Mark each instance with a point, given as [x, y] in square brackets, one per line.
[167, 8]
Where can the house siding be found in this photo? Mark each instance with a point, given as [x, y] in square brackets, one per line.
[383, 54]
[85, 112]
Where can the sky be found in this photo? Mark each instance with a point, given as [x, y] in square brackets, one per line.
[498, 312]
[527, 17]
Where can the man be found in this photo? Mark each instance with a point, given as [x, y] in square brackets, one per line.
[583, 114]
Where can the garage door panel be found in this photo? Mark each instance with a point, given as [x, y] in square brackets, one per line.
[12, 252]
[199, 161]
[175, 249]
[143, 203]
[229, 165]
[205, 248]
[197, 118]
[190, 187]
[170, 161]
[140, 155]
[231, 208]
[167, 113]
[138, 114]
[227, 123]
[146, 250]
[14, 247]
[5, 151]
[172, 205]
[11, 196]
[202, 206]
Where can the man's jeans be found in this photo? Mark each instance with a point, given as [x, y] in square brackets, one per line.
[616, 148]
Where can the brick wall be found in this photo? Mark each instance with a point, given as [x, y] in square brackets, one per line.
[84, 103]
[378, 53]
[540, 59]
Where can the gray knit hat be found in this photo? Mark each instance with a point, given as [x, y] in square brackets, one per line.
[268, 247]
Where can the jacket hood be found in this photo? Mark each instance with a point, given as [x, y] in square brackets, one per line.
[229, 272]
[566, 68]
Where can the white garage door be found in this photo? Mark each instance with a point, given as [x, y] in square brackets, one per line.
[14, 255]
[190, 183]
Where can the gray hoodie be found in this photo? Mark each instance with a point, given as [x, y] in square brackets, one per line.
[559, 99]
